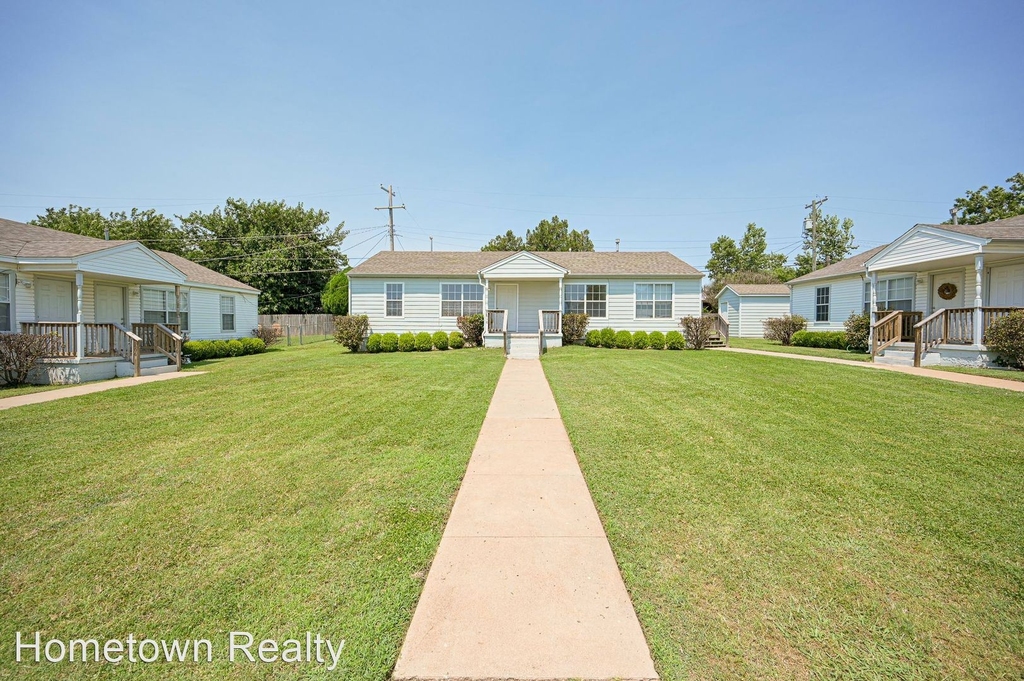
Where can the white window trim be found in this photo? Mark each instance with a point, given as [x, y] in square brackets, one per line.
[12, 284]
[234, 313]
[186, 297]
[672, 299]
[886, 280]
[828, 318]
[395, 283]
[589, 282]
[440, 297]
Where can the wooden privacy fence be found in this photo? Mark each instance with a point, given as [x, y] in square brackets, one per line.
[299, 327]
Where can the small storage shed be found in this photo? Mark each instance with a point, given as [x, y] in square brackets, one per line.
[746, 306]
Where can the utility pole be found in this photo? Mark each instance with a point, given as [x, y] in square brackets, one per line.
[390, 208]
[431, 244]
[954, 213]
[813, 206]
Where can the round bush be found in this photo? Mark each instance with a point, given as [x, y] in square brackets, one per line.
[424, 343]
[219, 348]
[373, 342]
[440, 340]
[656, 340]
[456, 341]
[253, 346]
[407, 342]
[235, 348]
[1006, 338]
[389, 342]
[674, 340]
[593, 339]
[607, 337]
[641, 341]
[623, 340]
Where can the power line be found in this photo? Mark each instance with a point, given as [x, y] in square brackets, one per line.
[391, 212]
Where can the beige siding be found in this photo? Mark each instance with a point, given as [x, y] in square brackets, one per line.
[847, 298]
[754, 310]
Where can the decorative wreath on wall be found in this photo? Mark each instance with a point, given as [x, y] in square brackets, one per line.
[947, 291]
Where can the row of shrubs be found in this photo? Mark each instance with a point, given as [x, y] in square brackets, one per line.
[638, 340]
[420, 342]
[198, 350]
[791, 330]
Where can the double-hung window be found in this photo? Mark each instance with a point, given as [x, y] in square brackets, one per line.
[822, 300]
[158, 307]
[461, 299]
[227, 313]
[6, 293]
[653, 301]
[589, 299]
[892, 294]
[393, 298]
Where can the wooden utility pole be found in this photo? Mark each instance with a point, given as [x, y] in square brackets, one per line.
[390, 208]
[813, 205]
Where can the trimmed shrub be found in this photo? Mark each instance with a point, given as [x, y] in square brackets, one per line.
[252, 346]
[389, 342]
[350, 330]
[406, 342]
[858, 331]
[200, 350]
[268, 334]
[834, 340]
[782, 328]
[456, 340]
[623, 340]
[607, 337]
[373, 342]
[593, 339]
[697, 331]
[440, 340]
[641, 341]
[574, 325]
[19, 353]
[1006, 338]
[674, 340]
[235, 348]
[219, 348]
[656, 340]
[424, 343]
[472, 328]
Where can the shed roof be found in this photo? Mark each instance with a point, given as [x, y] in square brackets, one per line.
[757, 289]
[579, 263]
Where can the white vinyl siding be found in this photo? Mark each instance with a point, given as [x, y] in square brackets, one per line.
[205, 314]
[746, 314]
[6, 316]
[589, 299]
[458, 300]
[158, 307]
[227, 313]
[394, 300]
[925, 246]
[846, 297]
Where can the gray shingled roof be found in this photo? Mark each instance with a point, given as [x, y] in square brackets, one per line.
[852, 265]
[758, 289]
[468, 263]
[31, 241]
[1007, 228]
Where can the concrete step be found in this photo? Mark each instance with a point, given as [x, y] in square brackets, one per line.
[152, 371]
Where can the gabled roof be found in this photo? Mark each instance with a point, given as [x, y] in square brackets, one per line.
[469, 263]
[202, 275]
[852, 265]
[757, 289]
[31, 241]
[1007, 228]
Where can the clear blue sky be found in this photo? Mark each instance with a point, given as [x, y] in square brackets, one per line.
[663, 124]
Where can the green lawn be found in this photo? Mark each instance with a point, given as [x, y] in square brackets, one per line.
[783, 519]
[1006, 374]
[775, 346]
[303, 489]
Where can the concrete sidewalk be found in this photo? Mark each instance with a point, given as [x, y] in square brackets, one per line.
[524, 584]
[89, 388]
[952, 376]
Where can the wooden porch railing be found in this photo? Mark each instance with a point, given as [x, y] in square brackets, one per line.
[497, 321]
[128, 345]
[928, 333]
[102, 339]
[721, 326]
[161, 338]
[548, 321]
[959, 325]
[886, 331]
[65, 332]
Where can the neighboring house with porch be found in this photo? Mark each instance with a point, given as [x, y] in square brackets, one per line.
[933, 291]
[117, 307]
[523, 294]
[747, 306]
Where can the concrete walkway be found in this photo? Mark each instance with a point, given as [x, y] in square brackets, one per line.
[524, 584]
[970, 379]
[88, 388]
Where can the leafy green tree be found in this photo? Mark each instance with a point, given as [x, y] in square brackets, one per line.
[335, 297]
[725, 257]
[153, 229]
[280, 249]
[750, 255]
[835, 243]
[985, 205]
[504, 242]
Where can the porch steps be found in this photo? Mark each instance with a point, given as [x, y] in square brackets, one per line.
[152, 363]
[716, 341]
[902, 354]
[523, 346]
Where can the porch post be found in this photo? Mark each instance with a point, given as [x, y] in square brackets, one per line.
[177, 306]
[979, 328]
[79, 319]
[487, 302]
[872, 306]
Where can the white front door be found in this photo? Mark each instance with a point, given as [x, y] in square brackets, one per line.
[948, 281]
[506, 297]
[54, 300]
[110, 304]
[1007, 286]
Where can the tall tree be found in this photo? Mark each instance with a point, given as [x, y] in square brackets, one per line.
[750, 255]
[153, 229]
[725, 257]
[835, 242]
[280, 249]
[508, 241]
[984, 204]
[335, 297]
[549, 235]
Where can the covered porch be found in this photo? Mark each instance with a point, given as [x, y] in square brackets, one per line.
[523, 311]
